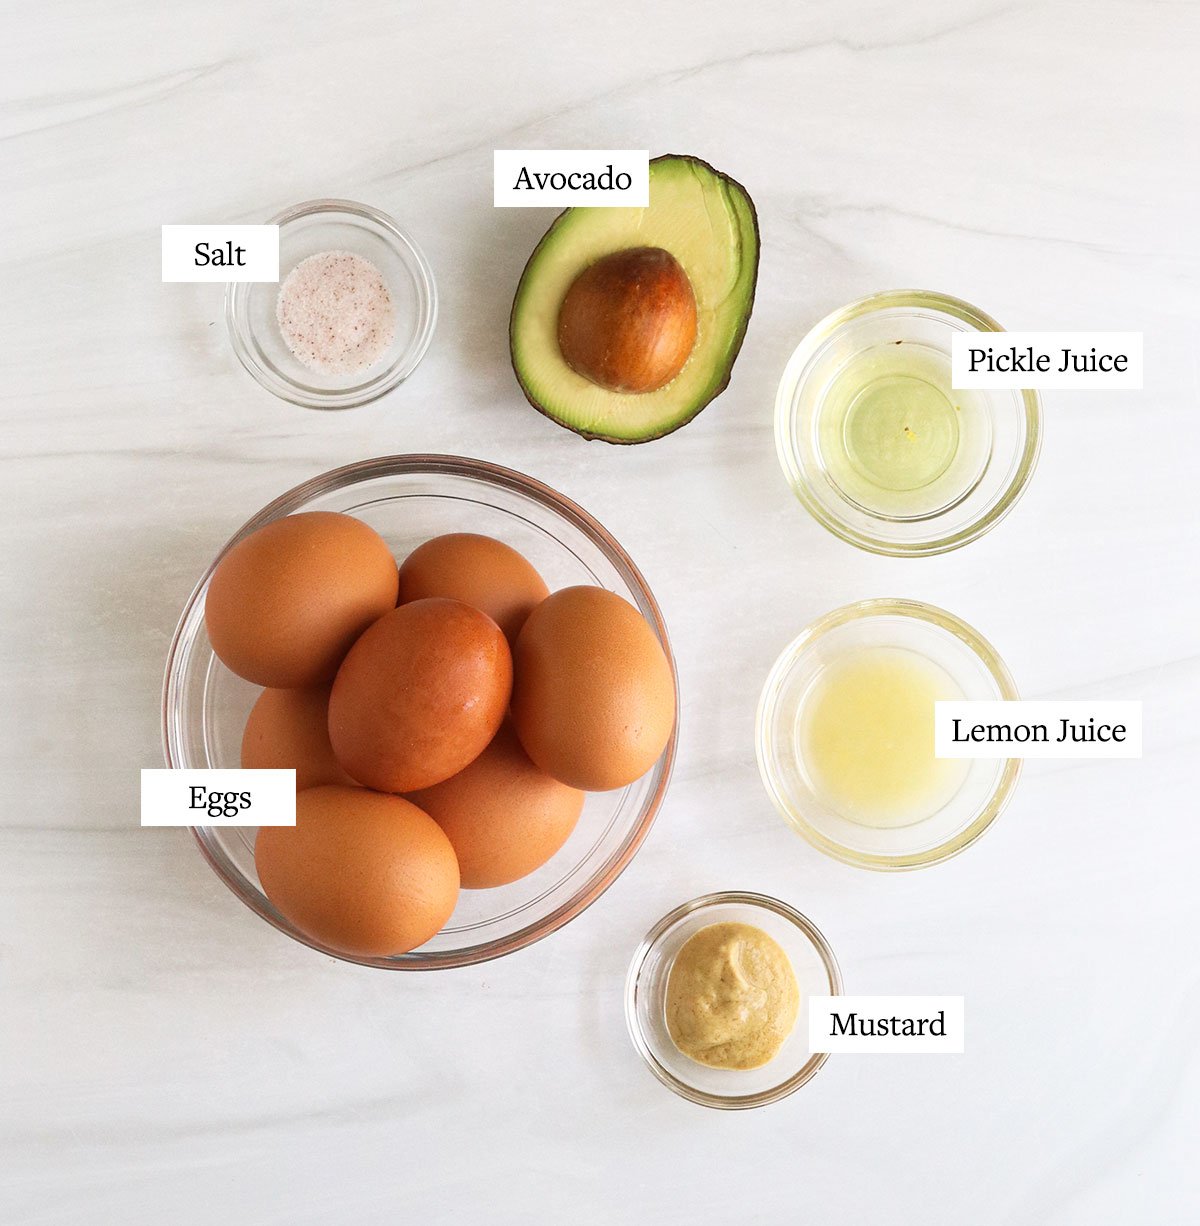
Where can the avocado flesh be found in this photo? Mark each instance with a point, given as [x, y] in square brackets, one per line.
[707, 222]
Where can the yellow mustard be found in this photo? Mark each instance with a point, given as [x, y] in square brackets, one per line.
[732, 997]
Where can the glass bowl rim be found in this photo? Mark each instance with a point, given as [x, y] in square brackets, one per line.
[856, 611]
[746, 898]
[426, 464]
[792, 380]
[280, 384]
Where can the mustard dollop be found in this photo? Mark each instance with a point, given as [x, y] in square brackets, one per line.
[732, 997]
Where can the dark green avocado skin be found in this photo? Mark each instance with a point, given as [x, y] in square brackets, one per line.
[735, 347]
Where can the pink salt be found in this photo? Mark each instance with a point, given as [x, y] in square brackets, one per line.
[335, 313]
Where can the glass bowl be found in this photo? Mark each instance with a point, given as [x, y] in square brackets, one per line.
[335, 225]
[816, 972]
[847, 449]
[970, 661]
[409, 499]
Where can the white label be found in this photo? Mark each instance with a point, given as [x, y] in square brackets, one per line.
[887, 1025]
[604, 178]
[218, 797]
[1037, 729]
[1046, 360]
[220, 253]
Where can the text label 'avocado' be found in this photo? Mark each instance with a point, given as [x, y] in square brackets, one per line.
[561, 178]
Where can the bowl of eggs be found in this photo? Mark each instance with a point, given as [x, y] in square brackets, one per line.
[474, 685]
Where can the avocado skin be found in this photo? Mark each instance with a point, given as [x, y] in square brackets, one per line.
[735, 348]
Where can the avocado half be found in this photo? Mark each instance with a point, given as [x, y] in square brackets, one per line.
[705, 220]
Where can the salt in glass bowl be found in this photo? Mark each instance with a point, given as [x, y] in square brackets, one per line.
[335, 225]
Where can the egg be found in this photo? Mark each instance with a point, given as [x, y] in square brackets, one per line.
[361, 873]
[484, 573]
[420, 695]
[286, 602]
[594, 693]
[503, 815]
[289, 729]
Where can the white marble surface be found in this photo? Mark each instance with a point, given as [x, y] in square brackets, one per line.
[166, 1057]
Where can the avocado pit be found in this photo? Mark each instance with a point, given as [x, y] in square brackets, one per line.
[628, 321]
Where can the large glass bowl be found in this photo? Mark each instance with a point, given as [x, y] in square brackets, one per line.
[408, 499]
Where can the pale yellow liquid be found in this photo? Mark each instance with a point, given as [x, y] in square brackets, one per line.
[894, 437]
[866, 737]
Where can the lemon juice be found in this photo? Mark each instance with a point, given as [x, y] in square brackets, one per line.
[866, 737]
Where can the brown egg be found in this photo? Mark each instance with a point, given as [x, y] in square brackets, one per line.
[285, 604]
[504, 817]
[420, 695]
[359, 872]
[594, 696]
[289, 729]
[628, 321]
[486, 574]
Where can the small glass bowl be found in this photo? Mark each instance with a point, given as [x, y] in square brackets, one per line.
[335, 225]
[816, 972]
[408, 499]
[991, 466]
[928, 631]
